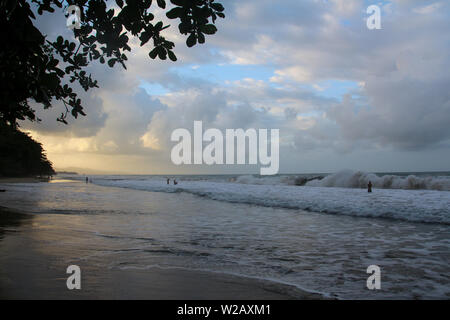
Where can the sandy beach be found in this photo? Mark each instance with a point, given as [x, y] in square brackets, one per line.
[28, 271]
[21, 180]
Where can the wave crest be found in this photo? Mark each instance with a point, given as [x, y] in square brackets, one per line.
[360, 179]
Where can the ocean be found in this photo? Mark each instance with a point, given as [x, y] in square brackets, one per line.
[317, 232]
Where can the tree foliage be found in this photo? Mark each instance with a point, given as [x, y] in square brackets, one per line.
[35, 68]
[20, 155]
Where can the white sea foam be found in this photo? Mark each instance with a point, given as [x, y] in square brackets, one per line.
[360, 179]
[411, 205]
[342, 179]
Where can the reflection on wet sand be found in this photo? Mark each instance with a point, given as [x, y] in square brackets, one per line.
[37, 249]
[10, 220]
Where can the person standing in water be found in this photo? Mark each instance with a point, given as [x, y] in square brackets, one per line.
[87, 180]
[168, 180]
[369, 187]
[175, 181]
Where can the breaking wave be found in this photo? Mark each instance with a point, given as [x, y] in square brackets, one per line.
[360, 179]
[427, 206]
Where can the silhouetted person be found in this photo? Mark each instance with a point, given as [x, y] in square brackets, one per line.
[87, 180]
[175, 181]
[168, 181]
[369, 187]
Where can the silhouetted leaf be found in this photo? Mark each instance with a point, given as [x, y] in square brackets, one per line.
[172, 55]
[209, 29]
[174, 13]
[179, 2]
[111, 62]
[153, 53]
[162, 4]
[191, 40]
[201, 38]
[217, 6]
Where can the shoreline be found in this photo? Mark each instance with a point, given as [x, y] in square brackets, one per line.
[27, 273]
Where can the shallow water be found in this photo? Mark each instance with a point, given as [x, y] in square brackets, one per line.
[123, 228]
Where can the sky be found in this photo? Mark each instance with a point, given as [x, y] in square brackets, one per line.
[341, 95]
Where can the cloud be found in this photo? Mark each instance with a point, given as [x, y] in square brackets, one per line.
[398, 106]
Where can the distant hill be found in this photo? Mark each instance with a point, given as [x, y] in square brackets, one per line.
[66, 172]
[21, 156]
[86, 171]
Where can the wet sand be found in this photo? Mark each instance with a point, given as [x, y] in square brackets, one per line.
[27, 271]
[22, 180]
